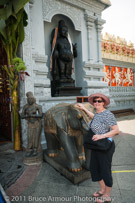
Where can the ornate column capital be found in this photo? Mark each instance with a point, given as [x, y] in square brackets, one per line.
[31, 2]
[99, 22]
[90, 19]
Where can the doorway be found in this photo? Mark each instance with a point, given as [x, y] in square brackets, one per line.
[5, 105]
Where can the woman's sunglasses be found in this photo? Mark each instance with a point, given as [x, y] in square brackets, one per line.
[99, 101]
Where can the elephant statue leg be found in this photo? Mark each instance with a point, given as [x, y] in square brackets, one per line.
[70, 150]
[52, 145]
[79, 147]
[87, 158]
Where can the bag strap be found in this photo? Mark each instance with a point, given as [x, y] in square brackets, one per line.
[91, 121]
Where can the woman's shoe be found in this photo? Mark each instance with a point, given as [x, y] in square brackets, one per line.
[103, 200]
[97, 194]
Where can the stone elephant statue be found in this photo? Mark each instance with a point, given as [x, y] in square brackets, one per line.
[64, 127]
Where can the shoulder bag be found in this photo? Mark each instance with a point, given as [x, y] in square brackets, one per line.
[103, 144]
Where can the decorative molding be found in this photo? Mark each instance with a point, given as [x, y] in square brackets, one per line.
[96, 66]
[53, 7]
[117, 63]
[41, 80]
[122, 91]
[93, 75]
[117, 49]
[90, 19]
[92, 5]
[99, 22]
[107, 2]
[41, 83]
[39, 57]
[124, 97]
[31, 2]
[70, 8]
[41, 91]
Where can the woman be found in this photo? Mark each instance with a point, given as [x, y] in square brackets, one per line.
[104, 125]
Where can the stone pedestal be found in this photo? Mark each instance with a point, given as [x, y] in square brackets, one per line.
[65, 87]
[59, 163]
[34, 160]
[68, 91]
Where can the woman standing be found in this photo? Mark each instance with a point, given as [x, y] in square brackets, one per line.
[104, 125]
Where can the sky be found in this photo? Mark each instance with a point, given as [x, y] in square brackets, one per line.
[120, 19]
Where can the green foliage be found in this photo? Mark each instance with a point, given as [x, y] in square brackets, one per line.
[13, 19]
[11, 7]
[18, 64]
[14, 70]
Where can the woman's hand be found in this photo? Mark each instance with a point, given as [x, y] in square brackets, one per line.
[81, 106]
[97, 137]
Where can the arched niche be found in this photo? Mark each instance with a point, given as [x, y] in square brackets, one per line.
[75, 38]
[52, 8]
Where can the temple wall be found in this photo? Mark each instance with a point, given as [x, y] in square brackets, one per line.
[119, 58]
[123, 94]
[84, 21]
[83, 18]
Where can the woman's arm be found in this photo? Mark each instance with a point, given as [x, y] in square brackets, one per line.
[113, 132]
[81, 106]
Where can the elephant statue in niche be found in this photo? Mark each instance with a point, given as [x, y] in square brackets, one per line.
[64, 127]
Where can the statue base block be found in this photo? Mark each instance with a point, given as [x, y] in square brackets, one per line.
[59, 163]
[68, 91]
[34, 160]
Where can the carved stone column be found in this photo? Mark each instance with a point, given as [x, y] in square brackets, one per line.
[90, 23]
[28, 84]
[27, 53]
[99, 23]
[133, 77]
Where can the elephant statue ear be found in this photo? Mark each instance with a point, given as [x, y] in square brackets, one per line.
[84, 115]
[73, 117]
[79, 116]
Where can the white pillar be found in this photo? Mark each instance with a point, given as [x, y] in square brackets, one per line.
[27, 54]
[99, 23]
[89, 23]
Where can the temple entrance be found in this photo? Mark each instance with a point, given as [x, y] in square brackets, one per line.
[5, 106]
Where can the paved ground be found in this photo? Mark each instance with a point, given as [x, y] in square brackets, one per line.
[127, 124]
[45, 184]
[11, 165]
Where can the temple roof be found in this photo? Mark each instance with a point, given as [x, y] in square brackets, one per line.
[107, 2]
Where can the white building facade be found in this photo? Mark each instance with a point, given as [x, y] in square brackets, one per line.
[83, 18]
[84, 21]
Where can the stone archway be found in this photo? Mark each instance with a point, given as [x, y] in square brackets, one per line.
[52, 8]
[75, 38]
